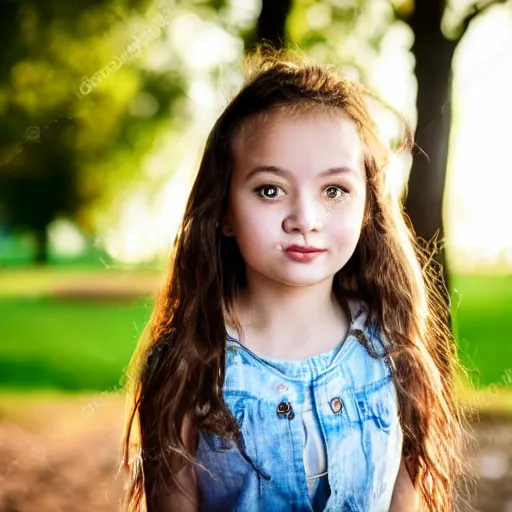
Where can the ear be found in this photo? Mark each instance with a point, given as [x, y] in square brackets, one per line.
[225, 227]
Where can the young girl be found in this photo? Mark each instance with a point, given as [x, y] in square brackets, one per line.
[298, 358]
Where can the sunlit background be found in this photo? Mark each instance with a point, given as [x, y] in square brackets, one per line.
[125, 148]
[477, 207]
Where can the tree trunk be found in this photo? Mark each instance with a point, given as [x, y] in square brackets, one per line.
[433, 54]
[41, 256]
[272, 23]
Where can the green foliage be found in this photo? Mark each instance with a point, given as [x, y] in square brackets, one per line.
[61, 141]
[346, 33]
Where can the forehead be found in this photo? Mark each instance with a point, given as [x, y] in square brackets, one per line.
[302, 143]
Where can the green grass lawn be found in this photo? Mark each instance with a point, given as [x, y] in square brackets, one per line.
[46, 343]
[483, 326]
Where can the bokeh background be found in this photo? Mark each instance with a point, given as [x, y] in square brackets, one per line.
[105, 106]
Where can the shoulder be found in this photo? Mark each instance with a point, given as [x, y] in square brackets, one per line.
[369, 359]
[365, 327]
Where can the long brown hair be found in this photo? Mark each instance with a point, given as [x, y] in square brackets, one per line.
[178, 367]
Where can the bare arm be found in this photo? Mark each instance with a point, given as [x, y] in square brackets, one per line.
[405, 497]
[178, 501]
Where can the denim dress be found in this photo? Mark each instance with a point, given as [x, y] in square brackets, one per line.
[356, 406]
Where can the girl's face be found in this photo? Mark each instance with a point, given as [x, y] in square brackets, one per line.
[297, 197]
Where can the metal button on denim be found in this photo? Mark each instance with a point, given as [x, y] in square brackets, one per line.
[336, 405]
[282, 388]
[283, 408]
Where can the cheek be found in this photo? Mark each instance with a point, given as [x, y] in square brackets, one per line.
[348, 233]
[256, 227]
[346, 228]
[253, 220]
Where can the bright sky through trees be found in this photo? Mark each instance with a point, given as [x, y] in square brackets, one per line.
[477, 205]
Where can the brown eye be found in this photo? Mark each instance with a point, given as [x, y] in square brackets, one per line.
[268, 191]
[334, 192]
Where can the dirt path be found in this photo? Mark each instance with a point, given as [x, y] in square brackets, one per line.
[60, 455]
[493, 466]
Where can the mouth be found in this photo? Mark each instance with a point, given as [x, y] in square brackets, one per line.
[304, 249]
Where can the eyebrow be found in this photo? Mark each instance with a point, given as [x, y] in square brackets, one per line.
[272, 169]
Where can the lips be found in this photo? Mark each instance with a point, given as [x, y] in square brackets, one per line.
[303, 249]
[303, 254]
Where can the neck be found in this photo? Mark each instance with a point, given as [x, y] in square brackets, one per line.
[295, 321]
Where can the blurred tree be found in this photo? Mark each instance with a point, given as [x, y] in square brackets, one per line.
[271, 24]
[39, 184]
[346, 33]
[272, 20]
[80, 64]
[433, 50]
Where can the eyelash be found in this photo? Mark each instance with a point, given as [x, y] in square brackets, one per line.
[343, 191]
[259, 190]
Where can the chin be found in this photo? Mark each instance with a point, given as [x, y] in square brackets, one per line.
[302, 280]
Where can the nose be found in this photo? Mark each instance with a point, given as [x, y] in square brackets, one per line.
[304, 216]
